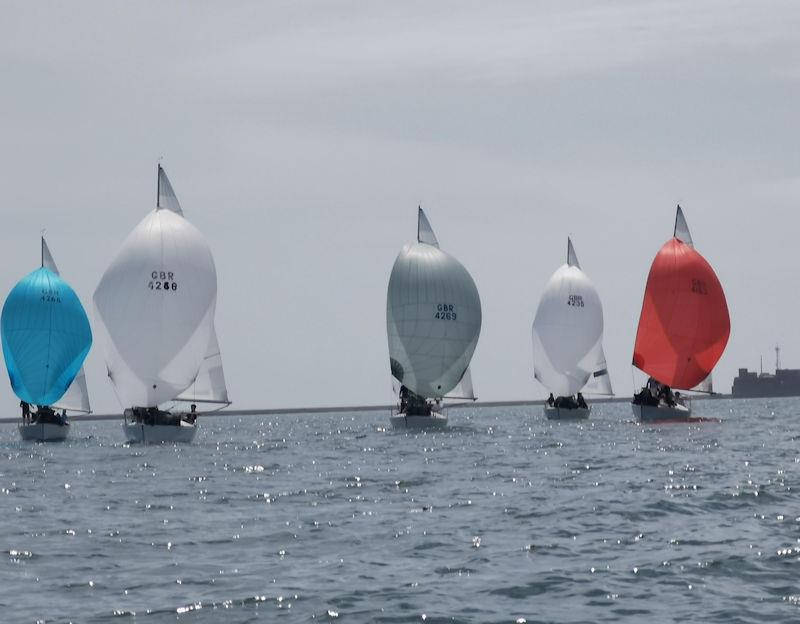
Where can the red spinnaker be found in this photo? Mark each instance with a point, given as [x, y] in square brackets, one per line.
[684, 325]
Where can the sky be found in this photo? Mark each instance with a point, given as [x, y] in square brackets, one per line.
[301, 136]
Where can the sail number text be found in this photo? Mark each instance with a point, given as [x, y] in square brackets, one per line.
[699, 287]
[162, 280]
[445, 312]
[576, 301]
[51, 295]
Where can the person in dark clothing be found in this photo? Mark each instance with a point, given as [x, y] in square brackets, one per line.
[403, 399]
[550, 400]
[646, 397]
[582, 402]
[566, 402]
[665, 394]
[26, 411]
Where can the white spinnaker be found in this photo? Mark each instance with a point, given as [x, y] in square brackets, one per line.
[209, 386]
[76, 398]
[155, 304]
[568, 331]
[433, 320]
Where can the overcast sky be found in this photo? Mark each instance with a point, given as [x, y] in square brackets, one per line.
[300, 138]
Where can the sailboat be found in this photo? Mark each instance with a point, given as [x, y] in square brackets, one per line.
[433, 320]
[155, 307]
[683, 328]
[568, 341]
[46, 337]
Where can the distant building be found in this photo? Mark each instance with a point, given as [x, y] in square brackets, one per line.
[785, 382]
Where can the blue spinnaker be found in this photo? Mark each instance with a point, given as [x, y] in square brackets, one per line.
[46, 337]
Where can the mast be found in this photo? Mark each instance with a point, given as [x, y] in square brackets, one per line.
[777, 358]
[158, 186]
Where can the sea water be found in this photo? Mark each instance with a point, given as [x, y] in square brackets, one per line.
[503, 517]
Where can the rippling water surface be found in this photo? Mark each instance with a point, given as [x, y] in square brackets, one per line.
[503, 517]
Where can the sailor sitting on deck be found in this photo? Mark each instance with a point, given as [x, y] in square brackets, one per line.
[646, 397]
[582, 402]
[550, 400]
[665, 394]
[566, 402]
[403, 399]
[191, 417]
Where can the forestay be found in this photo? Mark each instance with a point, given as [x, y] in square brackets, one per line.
[568, 333]
[155, 304]
[433, 317]
[45, 334]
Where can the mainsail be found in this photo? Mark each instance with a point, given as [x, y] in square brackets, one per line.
[463, 390]
[76, 398]
[155, 304]
[684, 325]
[45, 335]
[568, 333]
[209, 385]
[433, 317]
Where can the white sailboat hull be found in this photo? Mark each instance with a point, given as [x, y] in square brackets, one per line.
[655, 413]
[158, 434]
[44, 432]
[563, 413]
[436, 420]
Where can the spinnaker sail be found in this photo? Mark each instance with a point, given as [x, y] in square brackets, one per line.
[433, 317]
[155, 305]
[684, 324]
[568, 333]
[45, 335]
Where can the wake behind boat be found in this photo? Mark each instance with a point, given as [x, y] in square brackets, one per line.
[568, 342]
[156, 305]
[683, 329]
[433, 320]
[46, 337]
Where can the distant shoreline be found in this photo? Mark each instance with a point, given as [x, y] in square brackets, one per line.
[359, 408]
